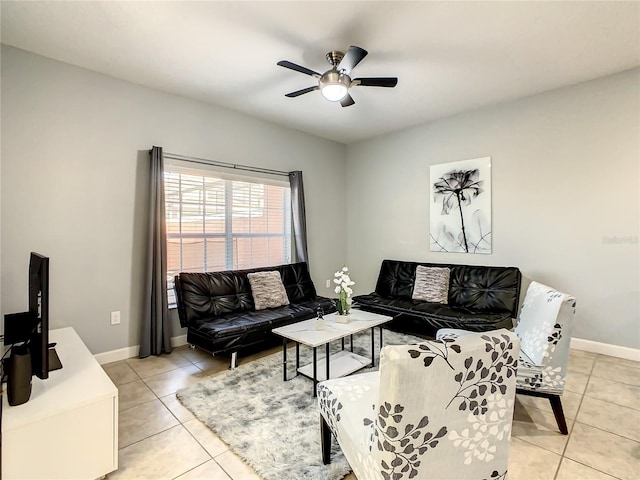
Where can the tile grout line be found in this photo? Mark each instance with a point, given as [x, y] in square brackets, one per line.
[180, 423]
[573, 425]
[211, 457]
[575, 421]
[152, 435]
[191, 469]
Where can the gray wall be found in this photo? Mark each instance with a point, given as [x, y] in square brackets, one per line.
[74, 186]
[565, 196]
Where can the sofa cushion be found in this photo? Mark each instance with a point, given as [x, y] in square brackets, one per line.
[239, 322]
[267, 290]
[431, 284]
[432, 315]
[485, 289]
[396, 279]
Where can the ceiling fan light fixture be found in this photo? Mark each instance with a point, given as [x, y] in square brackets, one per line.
[334, 86]
[334, 92]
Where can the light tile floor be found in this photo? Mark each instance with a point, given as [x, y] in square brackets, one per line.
[160, 439]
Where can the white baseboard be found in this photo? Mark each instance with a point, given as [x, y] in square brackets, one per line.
[117, 355]
[179, 341]
[577, 343]
[130, 352]
[606, 349]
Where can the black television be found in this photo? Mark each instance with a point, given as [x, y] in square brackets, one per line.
[30, 330]
[43, 357]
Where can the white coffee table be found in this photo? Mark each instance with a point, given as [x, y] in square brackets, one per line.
[313, 333]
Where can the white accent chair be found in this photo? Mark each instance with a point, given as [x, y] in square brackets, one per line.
[436, 410]
[544, 327]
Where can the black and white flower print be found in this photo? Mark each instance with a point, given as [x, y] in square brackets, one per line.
[479, 438]
[545, 378]
[329, 403]
[485, 376]
[481, 387]
[404, 440]
[496, 475]
[429, 352]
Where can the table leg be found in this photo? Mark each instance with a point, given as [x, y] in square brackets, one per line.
[284, 359]
[380, 338]
[297, 357]
[373, 347]
[351, 342]
[327, 359]
[315, 372]
[343, 343]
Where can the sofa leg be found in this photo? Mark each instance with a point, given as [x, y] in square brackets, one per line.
[234, 361]
[192, 346]
[325, 440]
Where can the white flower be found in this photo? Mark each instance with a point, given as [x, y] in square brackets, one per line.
[343, 283]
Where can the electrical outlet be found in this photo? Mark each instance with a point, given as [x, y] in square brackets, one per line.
[328, 284]
[115, 318]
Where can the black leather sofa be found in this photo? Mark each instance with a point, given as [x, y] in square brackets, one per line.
[480, 298]
[218, 311]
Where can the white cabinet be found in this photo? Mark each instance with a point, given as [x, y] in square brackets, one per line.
[69, 427]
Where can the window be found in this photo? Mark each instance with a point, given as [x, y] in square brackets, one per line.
[215, 222]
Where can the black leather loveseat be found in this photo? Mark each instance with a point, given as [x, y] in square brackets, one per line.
[218, 310]
[479, 298]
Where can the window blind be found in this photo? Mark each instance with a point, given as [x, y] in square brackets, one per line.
[218, 222]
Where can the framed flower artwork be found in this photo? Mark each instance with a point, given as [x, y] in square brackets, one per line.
[460, 212]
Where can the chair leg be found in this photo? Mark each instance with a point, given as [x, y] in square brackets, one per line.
[556, 405]
[325, 441]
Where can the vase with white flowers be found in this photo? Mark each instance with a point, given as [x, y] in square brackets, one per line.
[343, 289]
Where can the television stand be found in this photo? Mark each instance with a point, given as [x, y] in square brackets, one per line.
[54, 360]
[69, 427]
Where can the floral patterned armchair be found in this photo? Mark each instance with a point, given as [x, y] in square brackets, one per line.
[544, 328]
[439, 409]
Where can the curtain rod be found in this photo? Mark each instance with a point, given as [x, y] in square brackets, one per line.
[215, 163]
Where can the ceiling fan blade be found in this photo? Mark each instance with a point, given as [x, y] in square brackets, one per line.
[347, 101]
[297, 93]
[298, 68]
[377, 81]
[352, 58]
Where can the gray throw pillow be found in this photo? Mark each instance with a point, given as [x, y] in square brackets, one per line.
[431, 284]
[267, 289]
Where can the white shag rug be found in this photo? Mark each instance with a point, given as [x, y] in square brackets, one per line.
[273, 425]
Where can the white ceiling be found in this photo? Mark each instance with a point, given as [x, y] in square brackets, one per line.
[449, 56]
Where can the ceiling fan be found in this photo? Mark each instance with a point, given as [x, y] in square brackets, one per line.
[334, 84]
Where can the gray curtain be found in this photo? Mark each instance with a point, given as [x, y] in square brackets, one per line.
[299, 217]
[155, 337]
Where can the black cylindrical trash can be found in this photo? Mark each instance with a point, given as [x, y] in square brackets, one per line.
[19, 376]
